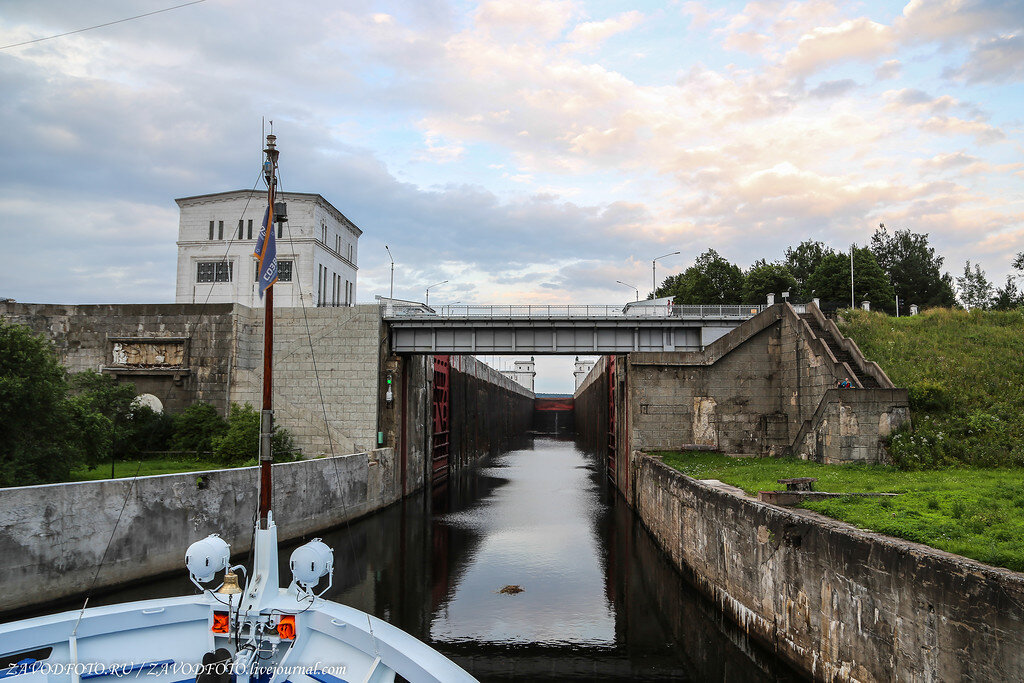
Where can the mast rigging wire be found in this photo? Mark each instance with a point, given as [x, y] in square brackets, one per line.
[109, 23]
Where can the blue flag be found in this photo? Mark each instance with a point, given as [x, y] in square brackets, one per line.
[266, 254]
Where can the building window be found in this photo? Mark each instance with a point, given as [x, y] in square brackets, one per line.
[249, 232]
[284, 271]
[214, 271]
[350, 254]
[220, 230]
[211, 230]
[241, 229]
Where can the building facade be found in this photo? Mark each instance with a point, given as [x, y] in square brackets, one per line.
[317, 250]
[523, 373]
[580, 371]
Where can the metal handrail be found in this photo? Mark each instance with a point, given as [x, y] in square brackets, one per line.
[568, 312]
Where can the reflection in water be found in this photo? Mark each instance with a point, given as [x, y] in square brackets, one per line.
[599, 600]
[536, 532]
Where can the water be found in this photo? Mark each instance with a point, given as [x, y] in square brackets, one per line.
[598, 601]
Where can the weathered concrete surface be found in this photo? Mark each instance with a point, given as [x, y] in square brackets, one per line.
[52, 537]
[488, 411]
[766, 388]
[841, 603]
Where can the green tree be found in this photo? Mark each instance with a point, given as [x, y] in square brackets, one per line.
[1018, 261]
[802, 261]
[38, 440]
[974, 288]
[767, 278]
[831, 280]
[196, 427]
[102, 409]
[711, 280]
[240, 442]
[913, 268]
[1008, 297]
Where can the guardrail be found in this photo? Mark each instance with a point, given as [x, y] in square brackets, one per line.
[567, 312]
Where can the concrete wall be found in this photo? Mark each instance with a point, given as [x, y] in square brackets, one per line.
[766, 388]
[841, 603]
[52, 537]
[488, 411]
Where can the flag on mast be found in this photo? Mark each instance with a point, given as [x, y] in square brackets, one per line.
[266, 253]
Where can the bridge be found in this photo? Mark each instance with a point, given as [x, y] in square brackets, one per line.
[561, 329]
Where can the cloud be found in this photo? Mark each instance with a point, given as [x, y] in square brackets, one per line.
[833, 88]
[888, 70]
[998, 60]
[592, 33]
[854, 39]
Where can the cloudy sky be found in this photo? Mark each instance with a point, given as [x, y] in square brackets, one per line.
[524, 151]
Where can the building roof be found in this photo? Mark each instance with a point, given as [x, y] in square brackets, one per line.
[237, 194]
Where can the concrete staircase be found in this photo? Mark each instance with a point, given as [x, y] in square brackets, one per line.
[840, 353]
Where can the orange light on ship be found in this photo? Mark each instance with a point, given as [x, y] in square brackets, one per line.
[286, 627]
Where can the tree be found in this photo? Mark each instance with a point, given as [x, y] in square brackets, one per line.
[1008, 297]
[831, 280]
[913, 268]
[802, 262]
[1018, 261]
[102, 409]
[38, 441]
[196, 427]
[975, 289]
[711, 280]
[241, 440]
[767, 278]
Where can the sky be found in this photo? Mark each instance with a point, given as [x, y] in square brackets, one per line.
[527, 152]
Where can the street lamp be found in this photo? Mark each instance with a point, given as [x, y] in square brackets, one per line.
[654, 271]
[427, 301]
[633, 286]
[392, 294]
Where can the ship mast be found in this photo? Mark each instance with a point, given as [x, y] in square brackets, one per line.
[267, 411]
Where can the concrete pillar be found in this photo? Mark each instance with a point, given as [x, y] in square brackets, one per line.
[817, 303]
[866, 305]
[913, 309]
[771, 299]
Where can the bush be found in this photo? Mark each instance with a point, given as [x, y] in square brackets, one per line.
[196, 427]
[927, 395]
[241, 442]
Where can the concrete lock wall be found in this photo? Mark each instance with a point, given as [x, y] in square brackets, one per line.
[488, 411]
[52, 537]
[766, 388]
[838, 602]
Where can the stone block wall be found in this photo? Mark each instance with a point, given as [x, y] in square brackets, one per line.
[840, 603]
[84, 338]
[342, 368]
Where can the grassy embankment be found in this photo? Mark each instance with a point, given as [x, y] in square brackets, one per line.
[144, 468]
[959, 471]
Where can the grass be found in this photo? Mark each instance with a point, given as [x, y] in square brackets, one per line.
[974, 512]
[144, 468]
[964, 373]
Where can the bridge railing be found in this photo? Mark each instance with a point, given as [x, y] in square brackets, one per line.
[567, 312]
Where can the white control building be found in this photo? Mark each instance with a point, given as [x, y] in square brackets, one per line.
[523, 373]
[317, 250]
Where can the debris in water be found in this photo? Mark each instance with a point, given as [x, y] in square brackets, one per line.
[511, 590]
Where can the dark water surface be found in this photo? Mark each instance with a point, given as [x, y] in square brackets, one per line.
[598, 601]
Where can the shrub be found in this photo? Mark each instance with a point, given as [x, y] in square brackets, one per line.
[240, 443]
[196, 427]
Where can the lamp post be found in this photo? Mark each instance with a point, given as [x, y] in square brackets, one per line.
[633, 286]
[392, 294]
[654, 271]
[427, 301]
